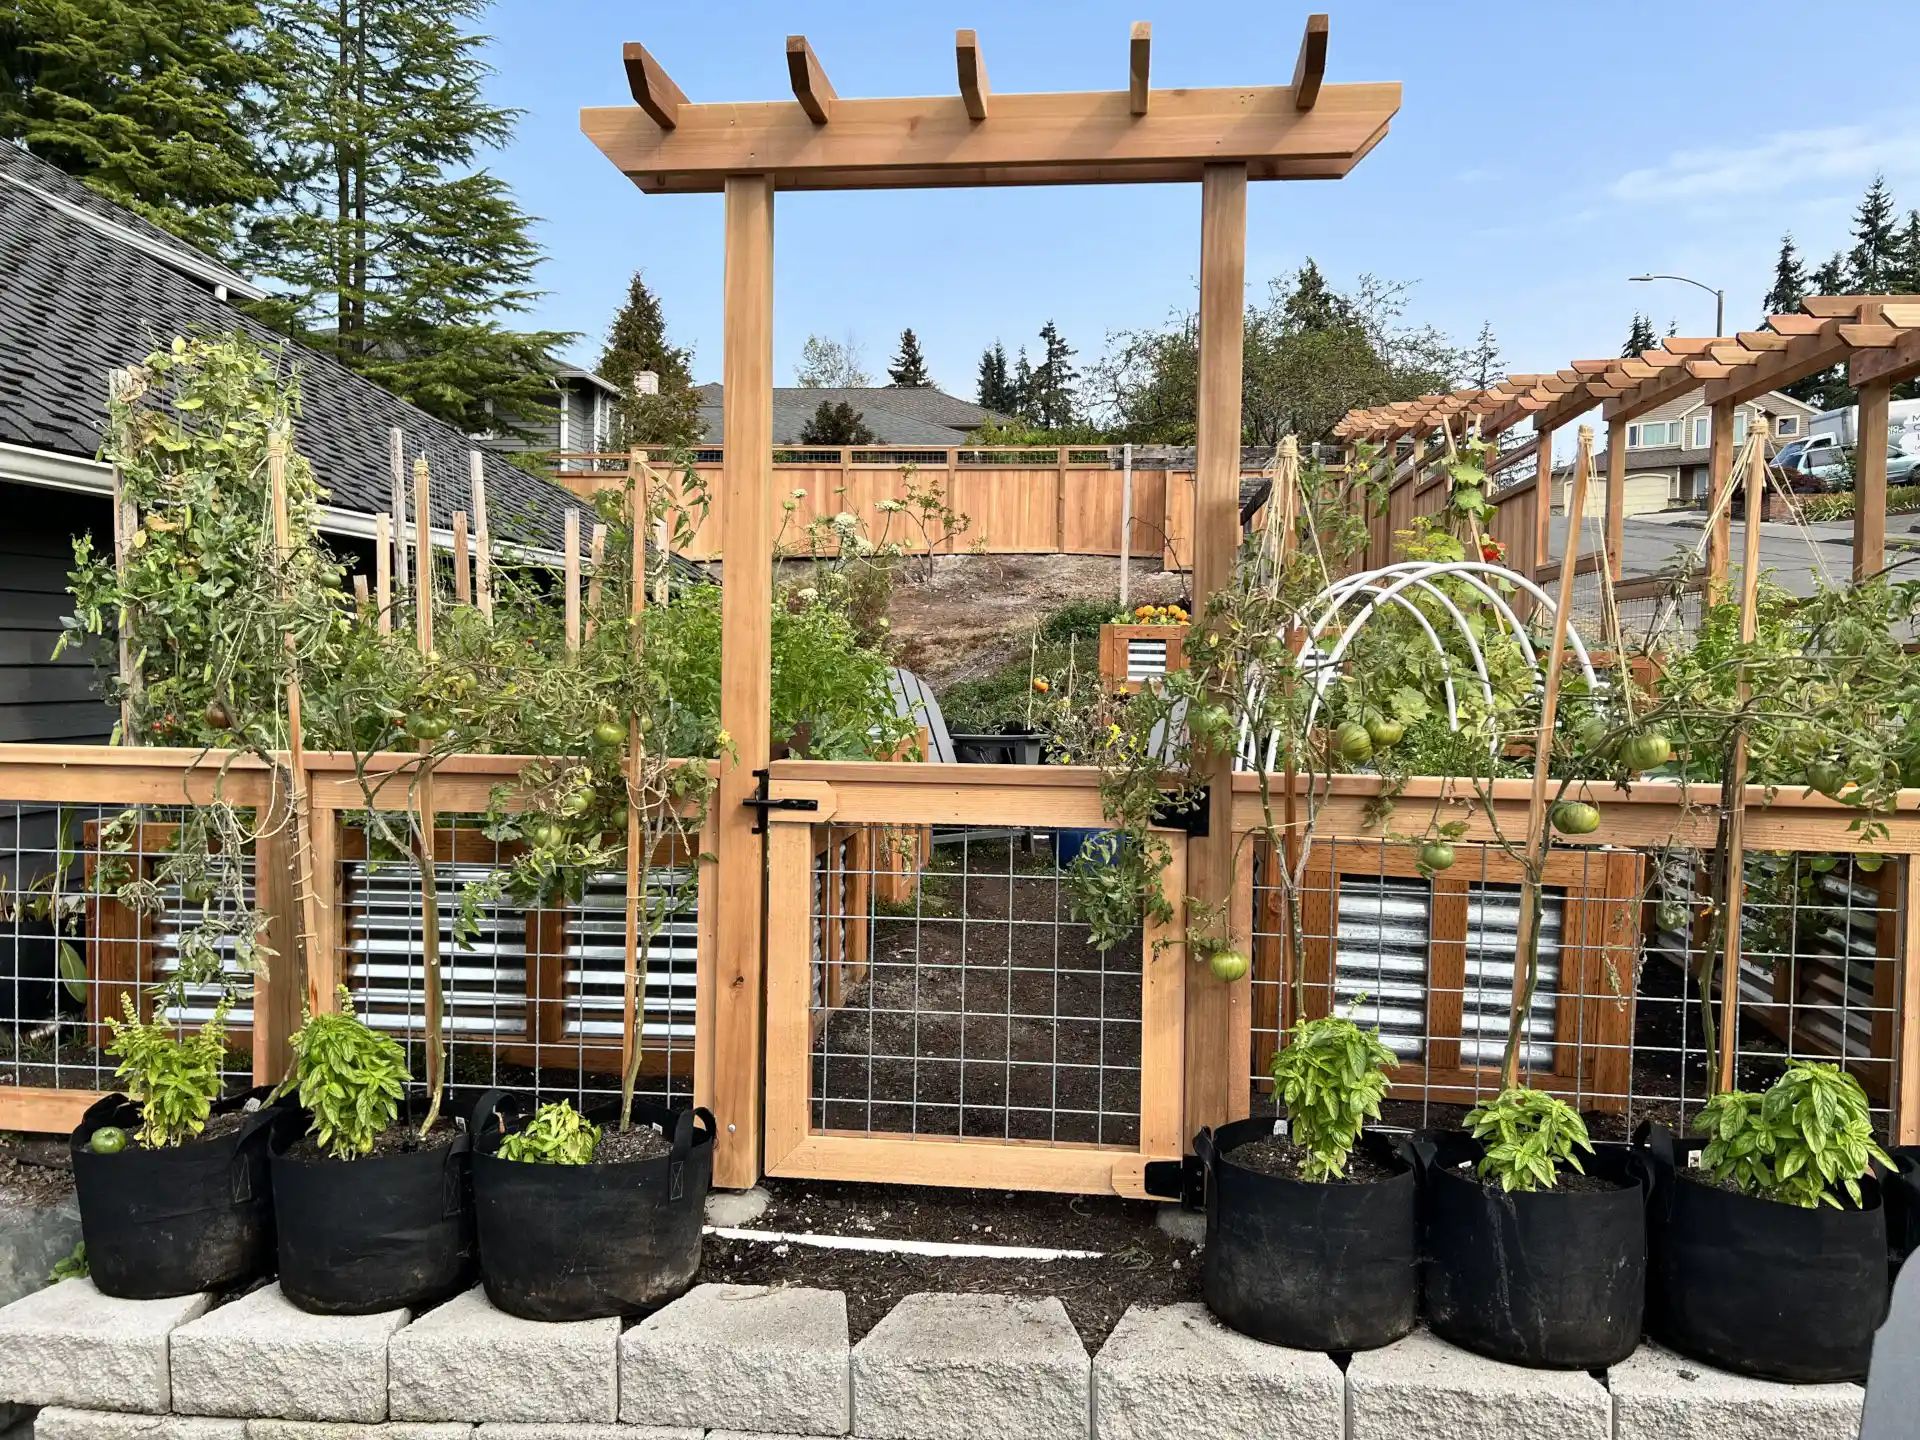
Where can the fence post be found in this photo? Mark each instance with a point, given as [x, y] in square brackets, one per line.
[1870, 485]
[1060, 502]
[1906, 1015]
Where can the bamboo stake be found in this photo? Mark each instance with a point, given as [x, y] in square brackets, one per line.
[1526, 952]
[462, 595]
[423, 803]
[571, 554]
[1736, 868]
[397, 457]
[126, 523]
[306, 907]
[596, 555]
[362, 600]
[383, 571]
[482, 537]
[630, 1050]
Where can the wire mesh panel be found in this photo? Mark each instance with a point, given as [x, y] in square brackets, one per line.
[936, 1013]
[534, 988]
[106, 906]
[1620, 1023]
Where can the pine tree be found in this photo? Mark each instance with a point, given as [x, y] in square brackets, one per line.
[1485, 368]
[1020, 388]
[1053, 383]
[637, 342]
[1906, 280]
[837, 424]
[1789, 280]
[1640, 337]
[909, 368]
[1827, 389]
[154, 103]
[1314, 306]
[1874, 258]
[995, 389]
[387, 244]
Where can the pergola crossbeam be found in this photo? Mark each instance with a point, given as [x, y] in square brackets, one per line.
[1310, 69]
[973, 73]
[810, 84]
[653, 89]
[1139, 67]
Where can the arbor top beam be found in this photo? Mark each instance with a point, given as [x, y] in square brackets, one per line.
[1308, 130]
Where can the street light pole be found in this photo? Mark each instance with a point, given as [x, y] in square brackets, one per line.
[1719, 297]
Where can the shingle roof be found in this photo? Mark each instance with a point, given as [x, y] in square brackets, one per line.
[898, 416]
[75, 304]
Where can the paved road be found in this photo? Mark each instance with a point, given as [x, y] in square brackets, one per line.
[1793, 554]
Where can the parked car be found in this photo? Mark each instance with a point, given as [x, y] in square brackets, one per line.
[1820, 464]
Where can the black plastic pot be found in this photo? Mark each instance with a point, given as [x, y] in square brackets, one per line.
[1758, 1287]
[194, 1217]
[578, 1242]
[1308, 1265]
[1554, 1279]
[361, 1236]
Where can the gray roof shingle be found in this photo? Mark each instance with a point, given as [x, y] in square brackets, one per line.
[897, 415]
[75, 304]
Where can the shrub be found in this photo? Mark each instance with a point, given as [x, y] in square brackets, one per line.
[1529, 1134]
[174, 1079]
[1069, 634]
[1332, 1076]
[557, 1134]
[351, 1079]
[1808, 1134]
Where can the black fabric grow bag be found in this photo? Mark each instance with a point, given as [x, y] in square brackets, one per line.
[361, 1236]
[1308, 1265]
[1758, 1287]
[1900, 1192]
[1554, 1279]
[578, 1242]
[159, 1223]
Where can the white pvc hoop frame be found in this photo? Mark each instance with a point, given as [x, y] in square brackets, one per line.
[1384, 586]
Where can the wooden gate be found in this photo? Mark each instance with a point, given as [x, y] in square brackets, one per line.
[979, 1039]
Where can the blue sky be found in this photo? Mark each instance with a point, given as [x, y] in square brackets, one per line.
[1543, 153]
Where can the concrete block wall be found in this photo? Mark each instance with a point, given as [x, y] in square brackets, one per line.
[730, 1362]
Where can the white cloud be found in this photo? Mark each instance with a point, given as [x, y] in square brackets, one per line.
[1789, 159]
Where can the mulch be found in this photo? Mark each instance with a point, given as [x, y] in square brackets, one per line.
[1278, 1156]
[1140, 1264]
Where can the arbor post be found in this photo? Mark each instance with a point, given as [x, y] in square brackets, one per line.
[1870, 481]
[1719, 479]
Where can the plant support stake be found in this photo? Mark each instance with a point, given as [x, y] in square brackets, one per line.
[423, 808]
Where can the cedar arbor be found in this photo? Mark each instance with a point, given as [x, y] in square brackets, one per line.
[821, 140]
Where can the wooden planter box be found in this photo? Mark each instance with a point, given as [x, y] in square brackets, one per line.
[1131, 655]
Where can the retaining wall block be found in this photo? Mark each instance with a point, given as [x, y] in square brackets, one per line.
[1165, 1368]
[350, 1430]
[740, 1357]
[1422, 1388]
[1658, 1395]
[469, 1361]
[507, 1430]
[963, 1367]
[263, 1356]
[70, 1345]
[57, 1422]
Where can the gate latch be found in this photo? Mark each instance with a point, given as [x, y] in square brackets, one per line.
[763, 802]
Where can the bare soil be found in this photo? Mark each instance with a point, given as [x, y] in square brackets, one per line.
[1276, 1155]
[400, 1138]
[1140, 1264]
[623, 1147]
[978, 611]
[35, 1170]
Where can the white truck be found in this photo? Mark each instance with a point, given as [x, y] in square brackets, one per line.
[1819, 460]
[1903, 425]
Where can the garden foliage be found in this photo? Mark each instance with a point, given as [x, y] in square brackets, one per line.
[1807, 1137]
[1332, 1076]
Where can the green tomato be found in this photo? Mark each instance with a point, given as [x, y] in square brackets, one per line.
[1867, 862]
[1576, 817]
[1228, 965]
[578, 802]
[1437, 855]
[108, 1140]
[1592, 734]
[609, 735]
[1384, 731]
[423, 726]
[547, 835]
[1672, 915]
[1826, 777]
[1646, 751]
[1353, 743]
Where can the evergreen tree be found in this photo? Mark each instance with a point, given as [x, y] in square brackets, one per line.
[837, 424]
[1053, 384]
[909, 368]
[387, 245]
[1485, 368]
[1312, 306]
[1020, 388]
[154, 103]
[1827, 389]
[1872, 262]
[1789, 280]
[1640, 337]
[1906, 280]
[637, 342]
[995, 389]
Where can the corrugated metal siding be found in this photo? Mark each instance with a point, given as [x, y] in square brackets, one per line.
[486, 986]
[1146, 658]
[1493, 946]
[177, 918]
[596, 961]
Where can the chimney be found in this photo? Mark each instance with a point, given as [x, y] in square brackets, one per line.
[646, 383]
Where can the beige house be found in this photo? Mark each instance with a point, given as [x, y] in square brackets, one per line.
[1667, 449]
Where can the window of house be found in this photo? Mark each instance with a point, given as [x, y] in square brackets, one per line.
[1702, 431]
[1786, 425]
[1649, 434]
[1739, 426]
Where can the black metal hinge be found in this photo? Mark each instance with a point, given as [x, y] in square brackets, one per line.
[1184, 1180]
[763, 802]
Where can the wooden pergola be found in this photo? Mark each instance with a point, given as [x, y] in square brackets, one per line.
[1877, 337]
[820, 140]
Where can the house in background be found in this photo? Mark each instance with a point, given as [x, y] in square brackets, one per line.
[85, 288]
[897, 415]
[580, 421]
[1667, 449]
